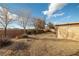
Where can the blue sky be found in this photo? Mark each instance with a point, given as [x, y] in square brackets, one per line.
[71, 14]
[68, 13]
[36, 8]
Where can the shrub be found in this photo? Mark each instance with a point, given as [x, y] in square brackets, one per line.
[19, 46]
[5, 42]
[31, 31]
[39, 31]
[34, 31]
[22, 36]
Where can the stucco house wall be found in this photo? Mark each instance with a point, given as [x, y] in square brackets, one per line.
[68, 31]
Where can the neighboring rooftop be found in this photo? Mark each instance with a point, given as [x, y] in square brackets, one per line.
[70, 23]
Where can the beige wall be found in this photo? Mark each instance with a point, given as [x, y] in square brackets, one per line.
[69, 32]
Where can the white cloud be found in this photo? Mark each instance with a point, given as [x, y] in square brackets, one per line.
[59, 14]
[52, 8]
[67, 17]
[12, 16]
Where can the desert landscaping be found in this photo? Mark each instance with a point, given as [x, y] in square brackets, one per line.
[41, 45]
[26, 32]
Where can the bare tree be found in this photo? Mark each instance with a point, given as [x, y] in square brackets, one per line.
[39, 23]
[5, 18]
[24, 16]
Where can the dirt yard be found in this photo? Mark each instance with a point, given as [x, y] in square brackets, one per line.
[41, 45]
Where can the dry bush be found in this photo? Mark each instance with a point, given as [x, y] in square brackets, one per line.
[35, 31]
[19, 46]
[22, 36]
[39, 31]
[5, 42]
[19, 49]
[12, 33]
[31, 31]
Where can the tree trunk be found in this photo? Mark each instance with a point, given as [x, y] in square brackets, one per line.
[56, 29]
[25, 34]
[24, 31]
[5, 31]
